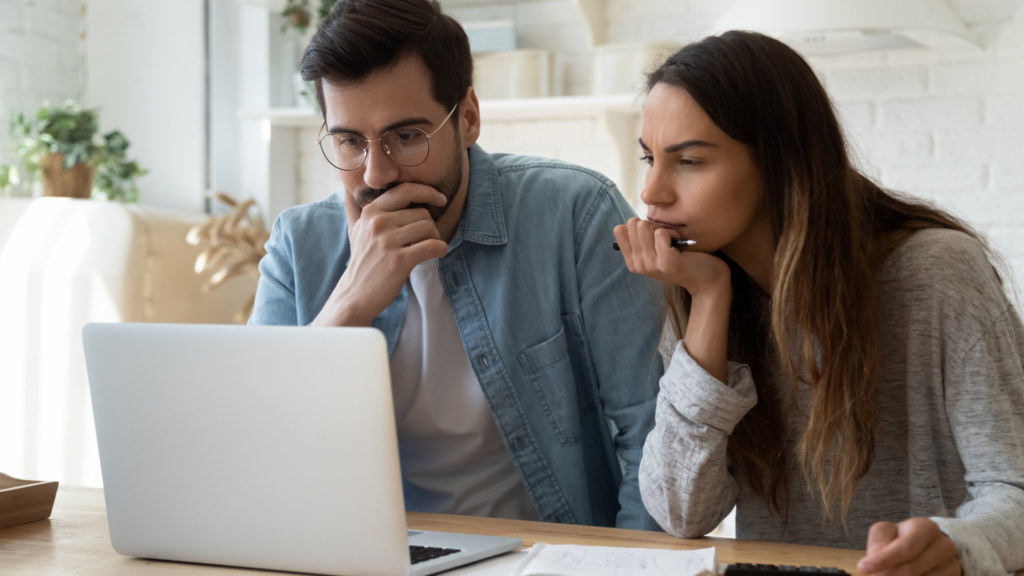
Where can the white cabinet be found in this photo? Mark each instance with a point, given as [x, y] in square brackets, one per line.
[280, 164]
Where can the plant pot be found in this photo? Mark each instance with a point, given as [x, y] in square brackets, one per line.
[73, 183]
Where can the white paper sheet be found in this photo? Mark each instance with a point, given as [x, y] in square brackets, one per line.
[502, 565]
[571, 560]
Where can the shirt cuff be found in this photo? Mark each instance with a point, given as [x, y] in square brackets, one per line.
[702, 398]
[971, 548]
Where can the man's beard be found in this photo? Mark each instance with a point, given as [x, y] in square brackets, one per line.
[447, 185]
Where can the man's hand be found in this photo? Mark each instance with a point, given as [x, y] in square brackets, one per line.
[910, 548]
[388, 240]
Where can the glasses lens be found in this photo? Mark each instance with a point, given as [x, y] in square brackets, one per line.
[344, 151]
[406, 146]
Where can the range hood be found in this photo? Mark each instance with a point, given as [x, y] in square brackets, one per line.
[839, 27]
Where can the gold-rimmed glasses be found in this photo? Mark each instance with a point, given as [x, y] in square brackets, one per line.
[404, 146]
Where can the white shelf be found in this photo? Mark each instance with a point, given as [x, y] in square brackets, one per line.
[275, 5]
[559, 107]
[492, 110]
[285, 117]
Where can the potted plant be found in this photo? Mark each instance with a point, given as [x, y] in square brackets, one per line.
[61, 146]
[297, 14]
[10, 178]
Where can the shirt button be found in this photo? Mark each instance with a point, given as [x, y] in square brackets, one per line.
[485, 361]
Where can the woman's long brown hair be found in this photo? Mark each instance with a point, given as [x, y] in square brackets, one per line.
[833, 227]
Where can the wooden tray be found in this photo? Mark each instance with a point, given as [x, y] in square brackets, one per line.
[24, 501]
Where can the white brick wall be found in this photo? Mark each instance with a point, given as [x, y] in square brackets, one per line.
[39, 57]
[947, 126]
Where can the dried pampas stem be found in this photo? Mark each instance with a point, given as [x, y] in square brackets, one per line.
[232, 246]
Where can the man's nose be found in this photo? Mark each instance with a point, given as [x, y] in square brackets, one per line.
[379, 170]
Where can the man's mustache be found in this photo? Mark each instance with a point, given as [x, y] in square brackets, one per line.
[364, 196]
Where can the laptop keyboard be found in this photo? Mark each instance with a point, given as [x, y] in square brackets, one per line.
[424, 553]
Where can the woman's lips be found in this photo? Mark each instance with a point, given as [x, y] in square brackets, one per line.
[666, 224]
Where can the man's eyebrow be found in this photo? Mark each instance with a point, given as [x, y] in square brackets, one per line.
[680, 146]
[400, 124]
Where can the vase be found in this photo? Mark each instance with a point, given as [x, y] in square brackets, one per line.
[75, 182]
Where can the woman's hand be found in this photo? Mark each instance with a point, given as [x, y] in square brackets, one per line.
[910, 548]
[648, 251]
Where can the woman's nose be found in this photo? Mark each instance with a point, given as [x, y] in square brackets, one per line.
[656, 190]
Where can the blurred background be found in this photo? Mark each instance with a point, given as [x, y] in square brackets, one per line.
[177, 102]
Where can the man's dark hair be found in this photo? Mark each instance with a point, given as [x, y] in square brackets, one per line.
[360, 37]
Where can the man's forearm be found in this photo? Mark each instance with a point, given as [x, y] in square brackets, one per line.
[338, 313]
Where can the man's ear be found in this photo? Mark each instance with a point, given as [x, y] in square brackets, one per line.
[469, 118]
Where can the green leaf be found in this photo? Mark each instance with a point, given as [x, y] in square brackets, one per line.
[72, 130]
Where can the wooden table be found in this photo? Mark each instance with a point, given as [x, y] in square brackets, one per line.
[75, 540]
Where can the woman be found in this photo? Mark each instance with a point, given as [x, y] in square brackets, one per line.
[841, 357]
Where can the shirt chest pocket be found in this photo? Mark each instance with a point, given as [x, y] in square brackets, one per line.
[562, 376]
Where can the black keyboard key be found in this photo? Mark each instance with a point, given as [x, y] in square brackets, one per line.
[423, 553]
[743, 569]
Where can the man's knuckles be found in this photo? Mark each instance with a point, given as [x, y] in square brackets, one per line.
[378, 225]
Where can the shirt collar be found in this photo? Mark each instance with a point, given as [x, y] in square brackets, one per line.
[483, 220]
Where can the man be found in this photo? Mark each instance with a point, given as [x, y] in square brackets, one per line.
[519, 342]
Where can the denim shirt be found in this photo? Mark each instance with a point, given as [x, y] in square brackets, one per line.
[562, 337]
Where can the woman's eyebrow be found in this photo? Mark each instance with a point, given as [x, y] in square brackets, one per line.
[680, 146]
[687, 144]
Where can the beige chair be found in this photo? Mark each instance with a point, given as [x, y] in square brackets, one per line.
[66, 262]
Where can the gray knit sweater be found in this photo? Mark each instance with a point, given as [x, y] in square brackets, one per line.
[951, 408]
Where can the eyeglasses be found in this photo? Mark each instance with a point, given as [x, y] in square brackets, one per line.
[404, 146]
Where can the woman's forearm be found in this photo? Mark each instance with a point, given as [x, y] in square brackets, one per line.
[707, 329]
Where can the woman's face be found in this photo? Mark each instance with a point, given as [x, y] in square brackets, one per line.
[700, 182]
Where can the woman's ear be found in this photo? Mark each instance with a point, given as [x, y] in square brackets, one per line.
[469, 118]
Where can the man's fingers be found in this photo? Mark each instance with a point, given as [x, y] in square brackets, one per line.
[423, 251]
[408, 216]
[399, 197]
[413, 233]
[352, 211]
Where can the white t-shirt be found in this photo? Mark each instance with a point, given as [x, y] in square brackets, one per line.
[453, 458]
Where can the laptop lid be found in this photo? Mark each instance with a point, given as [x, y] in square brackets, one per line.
[258, 446]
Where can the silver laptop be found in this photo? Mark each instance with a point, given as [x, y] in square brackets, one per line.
[264, 447]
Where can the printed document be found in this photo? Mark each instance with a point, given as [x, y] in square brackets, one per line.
[572, 560]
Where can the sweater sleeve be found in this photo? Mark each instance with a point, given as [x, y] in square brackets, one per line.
[984, 403]
[685, 481]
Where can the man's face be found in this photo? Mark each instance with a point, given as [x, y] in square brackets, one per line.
[400, 97]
